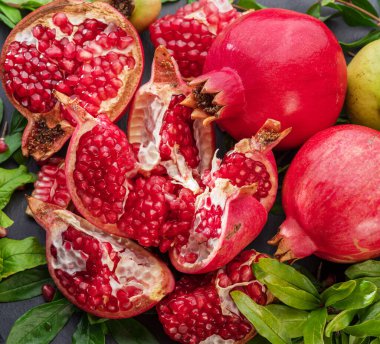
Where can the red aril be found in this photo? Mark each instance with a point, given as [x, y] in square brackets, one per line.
[48, 292]
[331, 197]
[104, 275]
[200, 309]
[189, 32]
[85, 50]
[233, 209]
[272, 63]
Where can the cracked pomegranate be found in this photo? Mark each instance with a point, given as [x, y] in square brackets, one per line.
[189, 32]
[331, 197]
[200, 309]
[104, 275]
[290, 78]
[86, 50]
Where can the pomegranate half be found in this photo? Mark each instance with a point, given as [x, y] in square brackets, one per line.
[272, 63]
[82, 49]
[104, 275]
[331, 197]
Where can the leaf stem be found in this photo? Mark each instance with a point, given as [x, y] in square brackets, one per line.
[362, 10]
[239, 7]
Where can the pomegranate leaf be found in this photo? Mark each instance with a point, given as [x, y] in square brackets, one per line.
[369, 268]
[20, 255]
[5, 221]
[18, 123]
[26, 4]
[264, 321]
[1, 110]
[166, 1]
[42, 323]
[315, 326]
[337, 292]
[130, 331]
[250, 4]
[7, 21]
[366, 328]
[292, 320]
[93, 319]
[362, 296]
[14, 143]
[87, 333]
[340, 322]
[370, 37]
[24, 285]
[269, 267]
[372, 312]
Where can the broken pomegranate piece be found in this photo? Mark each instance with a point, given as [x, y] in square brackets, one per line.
[85, 50]
[104, 275]
[200, 310]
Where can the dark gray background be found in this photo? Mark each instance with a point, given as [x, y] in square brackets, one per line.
[25, 226]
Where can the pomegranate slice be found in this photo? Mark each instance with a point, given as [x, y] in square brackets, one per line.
[200, 310]
[86, 50]
[51, 186]
[162, 128]
[232, 211]
[104, 275]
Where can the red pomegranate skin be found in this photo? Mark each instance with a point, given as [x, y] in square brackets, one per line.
[292, 70]
[331, 196]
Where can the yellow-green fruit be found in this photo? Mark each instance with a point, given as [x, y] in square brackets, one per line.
[363, 91]
[145, 13]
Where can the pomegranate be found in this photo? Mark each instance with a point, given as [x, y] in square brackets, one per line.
[104, 275]
[200, 310]
[272, 63]
[233, 209]
[86, 50]
[162, 128]
[189, 32]
[331, 197]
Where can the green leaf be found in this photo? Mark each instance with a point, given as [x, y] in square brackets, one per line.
[366, 5]
[6, 21]
[327, 2]
[365, 329]
[315, 326]
[370, 37]
[250, 4]
[1, 110]
[353, 17]
[24, 285]
[13, 14]
[268, 267]
[18, 123]
[258, 340]
[130, 331]
[292, 320]
[372, 312]
[5, 221]
[315, 10]
[264, 321]
[337, 292]
[340, 321]
[87, 333]
[27, 4]
[14, 142]
[18, 157]
[375, 341]
[363, 295]
[41, 324]
[20, 255]
[369, 268]
[95, 320]
[166, 1]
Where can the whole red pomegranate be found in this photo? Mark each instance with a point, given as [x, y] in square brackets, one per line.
[331, 197]
[200, 310]
[104, 275]
[272, 63]
[82, 49]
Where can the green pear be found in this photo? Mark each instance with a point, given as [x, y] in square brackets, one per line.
[363, 90]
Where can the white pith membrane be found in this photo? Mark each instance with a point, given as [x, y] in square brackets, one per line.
[216, 339]
[132, 50]
[133, 269]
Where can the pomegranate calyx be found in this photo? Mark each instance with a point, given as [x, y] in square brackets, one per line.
[216, 95]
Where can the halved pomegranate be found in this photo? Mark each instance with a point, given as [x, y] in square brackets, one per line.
[82, 49]
[104, 275]
[200, 310]
[162, 128]
[233, 209]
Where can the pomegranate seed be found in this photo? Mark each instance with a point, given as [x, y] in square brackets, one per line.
[48, 292]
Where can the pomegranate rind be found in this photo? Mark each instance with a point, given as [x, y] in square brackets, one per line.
[150, 104]
[56, 220]
[331, 197]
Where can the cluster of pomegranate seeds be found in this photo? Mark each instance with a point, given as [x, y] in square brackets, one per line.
[104, 157]
[193, 312]
[88, 64]
[177, 129]
[50, 185]
[242, 171]
[188, 39]
[91, 285]
[156, 211]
